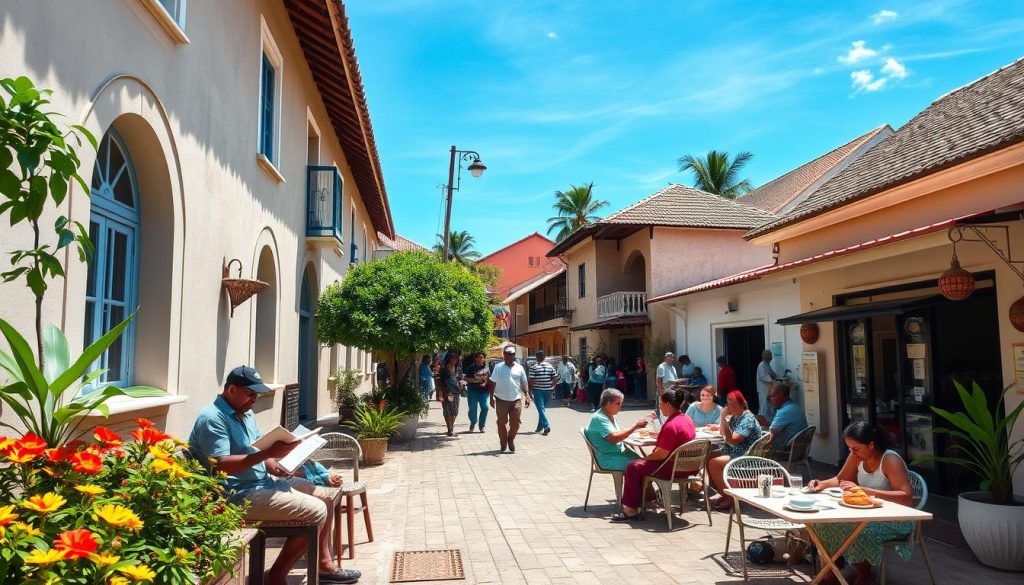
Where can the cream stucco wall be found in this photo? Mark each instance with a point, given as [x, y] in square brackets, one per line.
[188, 114]
[686, 257]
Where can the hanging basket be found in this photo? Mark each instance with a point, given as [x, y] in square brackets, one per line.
[809, 333]
[239, 289]
[1017, 314]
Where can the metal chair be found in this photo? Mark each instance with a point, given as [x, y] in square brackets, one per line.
[742, 472]
[342, 449]
[691, 459]
[761, 447]
[799, 451]
[920, 496]
[595, 468]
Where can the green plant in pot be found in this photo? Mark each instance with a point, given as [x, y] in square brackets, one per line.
[346, 382]
[373, 424]
[992, 520]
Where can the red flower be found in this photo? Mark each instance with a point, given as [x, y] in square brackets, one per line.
[107, 437]
[5, 445]
[76, 544]
[382, 405]
[59, 454]
[30, 443]
[86, 462]
[149, 436]
[144, 423]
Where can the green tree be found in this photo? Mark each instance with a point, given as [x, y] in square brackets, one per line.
[576, 208]
[405, 304]
[460, 247]
[716, 174]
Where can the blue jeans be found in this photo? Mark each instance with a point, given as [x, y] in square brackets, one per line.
[541, 398]
[564, 390]
[478, 399]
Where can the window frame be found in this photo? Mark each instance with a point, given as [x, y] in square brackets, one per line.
[269, 54]
[173, 24]
[581, 275]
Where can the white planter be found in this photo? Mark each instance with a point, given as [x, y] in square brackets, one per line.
[994, 533]
[407, 431]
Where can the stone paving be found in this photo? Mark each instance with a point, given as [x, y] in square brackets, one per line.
[519, 518]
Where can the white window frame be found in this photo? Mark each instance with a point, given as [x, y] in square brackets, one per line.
[173, 24]
[268, 47]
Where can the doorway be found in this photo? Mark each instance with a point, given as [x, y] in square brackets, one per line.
[629, 350]
[309, 350]
[743, 347]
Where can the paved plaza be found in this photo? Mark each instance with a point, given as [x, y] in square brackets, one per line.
[519, 518]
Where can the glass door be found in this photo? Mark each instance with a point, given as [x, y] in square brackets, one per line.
[856, 389]
[916, 385]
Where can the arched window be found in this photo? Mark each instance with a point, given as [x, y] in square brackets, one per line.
[112, 286]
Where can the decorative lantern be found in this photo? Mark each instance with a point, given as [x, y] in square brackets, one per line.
[809, 332]
[956, 284]
[1017, 314]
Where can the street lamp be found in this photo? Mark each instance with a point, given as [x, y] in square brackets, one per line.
[476, 168]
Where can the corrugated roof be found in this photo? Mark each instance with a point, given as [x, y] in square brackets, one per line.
[981, 117]
[778, 193]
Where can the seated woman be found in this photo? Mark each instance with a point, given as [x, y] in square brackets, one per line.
[605, 434]
[677, 430]
[740, 430]
[881, 473]
[705, 412]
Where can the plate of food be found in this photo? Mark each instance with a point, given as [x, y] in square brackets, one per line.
[856, 497]
[871, 504]
[711, 428]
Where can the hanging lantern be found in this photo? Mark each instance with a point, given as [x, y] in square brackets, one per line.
[956, 284]
[1017, 314]
[809, 332]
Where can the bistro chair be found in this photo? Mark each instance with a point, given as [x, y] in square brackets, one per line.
[689, 463]
[344, 449]
[595, 468]
[761, 447]
[799, 451]
[920, 496]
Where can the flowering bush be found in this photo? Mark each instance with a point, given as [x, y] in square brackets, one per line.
[111, 512]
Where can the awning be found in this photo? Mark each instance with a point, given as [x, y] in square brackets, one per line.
[628, 321]
[860, 311]
[531, 286]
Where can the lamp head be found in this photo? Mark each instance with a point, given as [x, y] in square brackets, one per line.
[476, 168]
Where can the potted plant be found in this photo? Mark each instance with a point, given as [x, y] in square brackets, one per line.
[373, 424]
[346, 382]
[410, 401]
[992, 520]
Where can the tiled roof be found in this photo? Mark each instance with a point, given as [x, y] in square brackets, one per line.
[399, 244]
[979, 118]
[531, 284]
[776, 194]
[682, 206]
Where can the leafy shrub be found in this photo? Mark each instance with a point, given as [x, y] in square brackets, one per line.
[376, 421]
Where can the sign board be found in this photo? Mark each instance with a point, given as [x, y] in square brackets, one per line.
[776, 350]
[290, 407]
[1018, 367]
[814, 400]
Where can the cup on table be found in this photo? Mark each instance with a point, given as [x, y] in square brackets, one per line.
[796, 483]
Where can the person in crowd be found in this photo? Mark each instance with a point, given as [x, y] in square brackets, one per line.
[698, 378]
[605, 434]
[383, 375]
[705, 412]
[435, 370]
[609, 374]
[595, 382]
[740, 430]
[620, 380]
[640, 384]
[477, 396]
[881, 473]
[451, 392]
[765, 380]
[686, 368]
[677, 430]
[666, 375]
[566, 379]
[542, 376]
[510, 390]
[789, 418]
[582, 382]
[726, 380]
[222, 438]
[426, 379]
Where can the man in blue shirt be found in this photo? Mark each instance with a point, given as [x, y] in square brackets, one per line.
[789, 418]
[222, 440]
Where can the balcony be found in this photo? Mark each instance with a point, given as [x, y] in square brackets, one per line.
[323, 206]
[622, 304]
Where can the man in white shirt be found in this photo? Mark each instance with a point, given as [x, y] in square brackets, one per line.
[666, 373]
[566, 379]
[509, 388]
[765, 380]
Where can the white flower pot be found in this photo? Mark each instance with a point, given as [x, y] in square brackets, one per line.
[994, 533]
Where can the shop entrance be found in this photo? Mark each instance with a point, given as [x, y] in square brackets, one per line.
[742, 349]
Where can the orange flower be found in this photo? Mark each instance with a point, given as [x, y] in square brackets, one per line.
[86, 462]
[7, 515]
[31, 442]
[148, 436]
[107, 437]
[144, 423]
[18, 455]
[76, 544]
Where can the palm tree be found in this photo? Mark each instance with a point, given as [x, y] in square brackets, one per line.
[460, 247]
[576, 208]
[715, 174]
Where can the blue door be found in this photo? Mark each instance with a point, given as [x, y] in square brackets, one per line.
[309, 351]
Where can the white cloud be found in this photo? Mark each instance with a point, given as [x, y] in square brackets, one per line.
[863, 80]
[884, 16]
[552, 35]
[894, 69]
[857, 53]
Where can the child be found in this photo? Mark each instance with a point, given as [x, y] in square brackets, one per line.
[318, 474]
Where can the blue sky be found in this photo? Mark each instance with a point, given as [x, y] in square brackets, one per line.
[554, 94]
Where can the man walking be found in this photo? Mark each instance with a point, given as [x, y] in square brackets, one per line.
[509, 389]
[566, 379]
[222, 440]
[476, 391]
[765, 380]
[595, 382]
[542, 382]
[666, 373]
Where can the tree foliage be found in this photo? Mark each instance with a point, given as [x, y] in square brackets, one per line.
[716, 174]
[404, 304]
[576, 208]
[461, 247]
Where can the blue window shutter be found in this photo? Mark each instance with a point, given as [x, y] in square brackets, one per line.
[337, 203]
[267, 108]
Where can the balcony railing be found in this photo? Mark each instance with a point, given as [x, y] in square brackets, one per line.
[621, 304]
[323, 202]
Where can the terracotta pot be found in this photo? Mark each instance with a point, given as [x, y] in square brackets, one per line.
[374, 450]
[809, 332]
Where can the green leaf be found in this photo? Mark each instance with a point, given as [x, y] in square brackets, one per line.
[88, 135]
[36, 199]
[9, 364]
[92, 353]
[24, 359]
[6, 158]
[58, 188]
[36, 282]
[50, 264]
[10, 184]
[57, 354]
[13, 274]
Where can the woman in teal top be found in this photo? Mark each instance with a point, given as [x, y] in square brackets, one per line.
[606, 436]
[706, 412]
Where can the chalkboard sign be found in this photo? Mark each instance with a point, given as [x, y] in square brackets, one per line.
[290, 408]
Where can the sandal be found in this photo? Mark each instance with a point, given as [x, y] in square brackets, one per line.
[625, 517]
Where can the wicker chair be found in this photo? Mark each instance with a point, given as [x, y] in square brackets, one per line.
[742, 472]
[344, 449]
[691, 457]
[799, 449]
[595, 468]
[761, 447]
[920, 495]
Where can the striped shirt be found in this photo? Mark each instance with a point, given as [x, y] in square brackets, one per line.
[542, 376]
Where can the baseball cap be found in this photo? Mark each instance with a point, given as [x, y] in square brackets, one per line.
[247, 377]
[510, 349]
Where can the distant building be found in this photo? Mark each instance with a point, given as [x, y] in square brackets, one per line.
[520, 261]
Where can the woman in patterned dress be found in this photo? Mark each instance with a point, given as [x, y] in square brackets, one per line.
[740, 430]
[450, 391]
[881, 473]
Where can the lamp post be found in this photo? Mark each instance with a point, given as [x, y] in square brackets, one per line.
[476, 168]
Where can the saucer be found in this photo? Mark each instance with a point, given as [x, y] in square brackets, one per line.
[792, 509]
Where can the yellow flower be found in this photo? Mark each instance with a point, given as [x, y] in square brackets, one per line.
[26, 529]
[180, 553]
[161, 465]
[104, 559]
[89, 489]
[44, 504]
[159, 453]
[117, 516]
[138, 572]
[117, 581]
[44, 557]
[172, 468]
[7, 515]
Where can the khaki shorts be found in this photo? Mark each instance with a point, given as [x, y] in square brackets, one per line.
[290, 499]
[509, 411]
